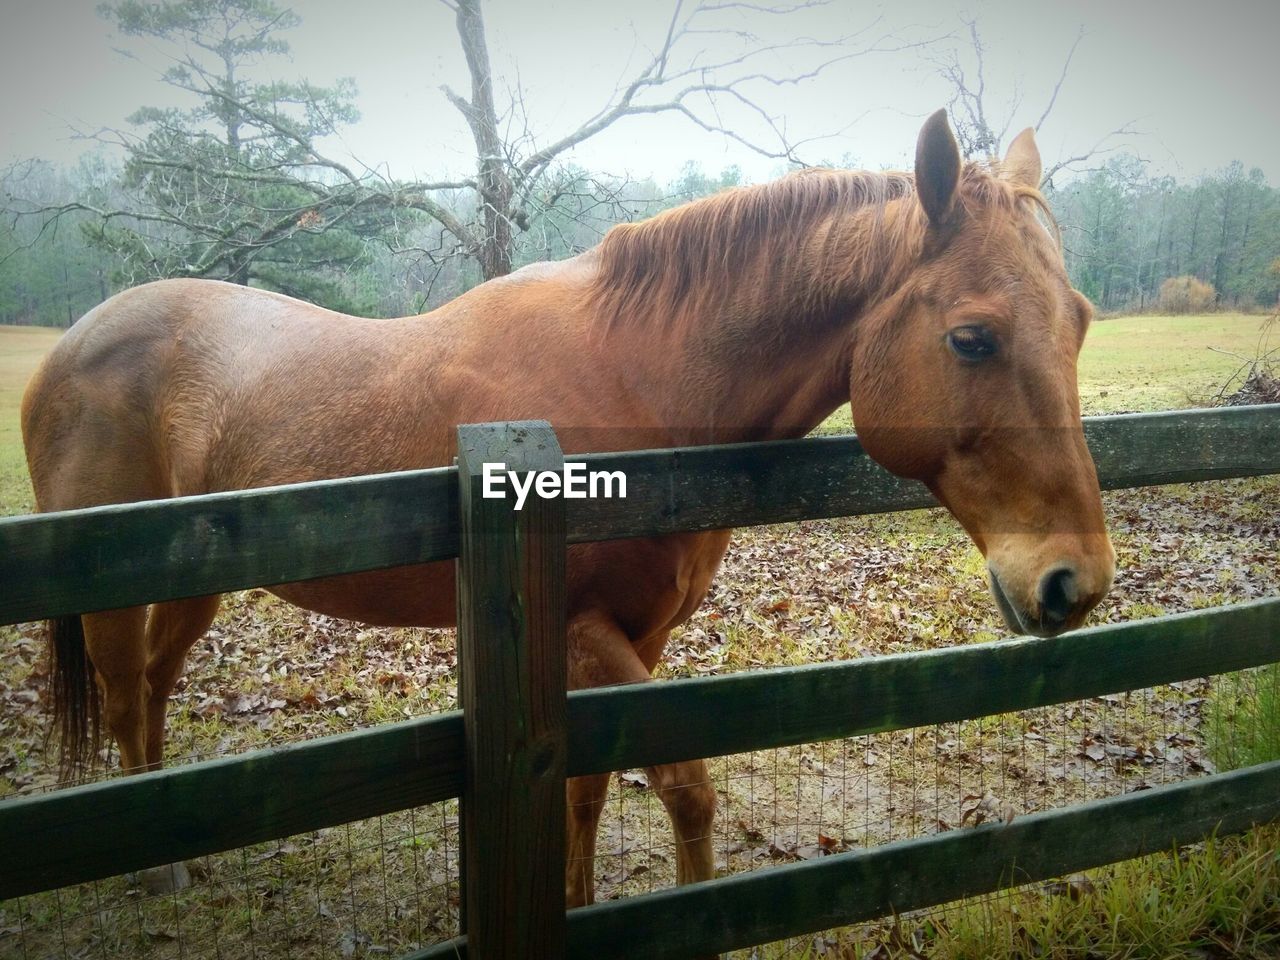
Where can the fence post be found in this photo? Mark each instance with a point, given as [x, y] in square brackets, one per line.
[511, 687]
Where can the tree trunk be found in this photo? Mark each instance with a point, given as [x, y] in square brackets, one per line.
[231, 117]
[1195, 230]
[1220, 260]
[66, 293]
[1154, 273]
[1244, 248]
[496, 188]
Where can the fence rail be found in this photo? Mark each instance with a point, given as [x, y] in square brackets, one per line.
[122, 555]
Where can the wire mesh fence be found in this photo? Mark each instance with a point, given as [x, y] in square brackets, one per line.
[382, 886]
[388, 885]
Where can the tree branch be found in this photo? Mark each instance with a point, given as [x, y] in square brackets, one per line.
[1057, 87]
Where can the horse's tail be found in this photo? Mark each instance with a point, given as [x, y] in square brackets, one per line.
[76, 708]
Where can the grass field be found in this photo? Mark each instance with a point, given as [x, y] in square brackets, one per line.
[850, 587]
[21, 349]
[1162, 363]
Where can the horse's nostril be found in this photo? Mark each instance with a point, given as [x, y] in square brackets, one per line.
[1058, 596]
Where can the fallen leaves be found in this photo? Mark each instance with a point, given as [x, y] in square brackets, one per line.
[1075, 887]
[987, 808]
[752, 844]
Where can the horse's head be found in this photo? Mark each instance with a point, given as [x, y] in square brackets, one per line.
[965, 378]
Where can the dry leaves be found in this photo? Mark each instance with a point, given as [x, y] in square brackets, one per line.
[987, 808]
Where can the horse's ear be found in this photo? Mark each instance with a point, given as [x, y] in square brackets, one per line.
[1022, 163]
[937, 169]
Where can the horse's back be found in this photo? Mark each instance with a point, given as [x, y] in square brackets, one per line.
[135, 397]
[187, 387]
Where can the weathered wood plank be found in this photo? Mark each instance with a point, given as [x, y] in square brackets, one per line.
[1147, 449]
[740, 485]
[615, 728]
[99, 830]
[715, 487]
[103, 557]
[511, 687]
[123, 555]
[796, 899]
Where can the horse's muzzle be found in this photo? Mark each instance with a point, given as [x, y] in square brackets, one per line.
[1060, 604]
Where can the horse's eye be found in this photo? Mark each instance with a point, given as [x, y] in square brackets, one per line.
[971, 343]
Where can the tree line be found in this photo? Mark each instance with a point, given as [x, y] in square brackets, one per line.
[238, 186]
[1126, 232]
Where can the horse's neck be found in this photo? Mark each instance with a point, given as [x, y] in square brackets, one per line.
[770, 366]
[771, 389]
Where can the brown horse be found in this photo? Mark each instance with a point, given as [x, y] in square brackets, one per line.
[938, 304]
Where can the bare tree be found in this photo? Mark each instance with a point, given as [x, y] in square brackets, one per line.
[515, 173]
[245, 180]
[981, 120]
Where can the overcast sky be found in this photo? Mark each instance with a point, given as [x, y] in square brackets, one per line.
[1199, 79]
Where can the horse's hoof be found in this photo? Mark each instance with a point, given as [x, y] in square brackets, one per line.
[169, 878]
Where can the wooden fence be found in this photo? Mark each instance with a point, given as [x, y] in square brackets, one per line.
[507, 751]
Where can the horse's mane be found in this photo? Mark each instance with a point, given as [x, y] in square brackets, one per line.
[702, 254]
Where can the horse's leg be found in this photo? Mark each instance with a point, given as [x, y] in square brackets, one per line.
[690, 799]
[582, 818]
[114, 641]
[136, 663]
[171, 630]
[601, 654]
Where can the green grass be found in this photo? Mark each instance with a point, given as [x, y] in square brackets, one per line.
[1243, 719]
[1214, 900]
[1162, 363]
[1210, 901]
